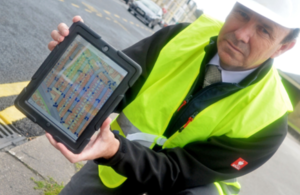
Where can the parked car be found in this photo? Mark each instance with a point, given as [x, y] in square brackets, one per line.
[146, 11]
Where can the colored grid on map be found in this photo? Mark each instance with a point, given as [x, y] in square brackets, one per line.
[78, 86]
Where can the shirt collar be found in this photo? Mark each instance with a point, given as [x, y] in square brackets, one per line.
[230, 76]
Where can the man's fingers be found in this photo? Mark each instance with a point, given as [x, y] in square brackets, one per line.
[52, 140]
[77, 18]
[52, 44]
[63, 29]
[60, 34]
[73, 158]
[63, 149]
[56, 36]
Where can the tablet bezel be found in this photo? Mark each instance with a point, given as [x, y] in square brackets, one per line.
[133, 72]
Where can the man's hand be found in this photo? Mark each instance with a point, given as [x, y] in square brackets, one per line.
[63, 31]
[103, 145]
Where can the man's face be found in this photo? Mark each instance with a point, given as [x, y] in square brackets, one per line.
[247, 39]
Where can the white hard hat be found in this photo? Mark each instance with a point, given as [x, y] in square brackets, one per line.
[283, 12]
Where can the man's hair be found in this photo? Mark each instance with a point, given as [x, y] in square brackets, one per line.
[291, 36]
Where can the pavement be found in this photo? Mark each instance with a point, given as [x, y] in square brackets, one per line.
[37, 159]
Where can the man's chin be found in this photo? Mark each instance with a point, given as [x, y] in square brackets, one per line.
[227, 62]
[226, 58]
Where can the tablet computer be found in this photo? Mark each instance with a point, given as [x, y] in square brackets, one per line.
[77, 87]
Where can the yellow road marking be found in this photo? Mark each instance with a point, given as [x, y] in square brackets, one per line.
[117, 16]
[121, 25]
[107, 18]
[107, 12]
[88, 10]
[75, 5]
[136, 24]
[11, 114]
[131, 23]
[100, 15]
[10, 89]
[2, 122]
[61, 0]
[124, 19]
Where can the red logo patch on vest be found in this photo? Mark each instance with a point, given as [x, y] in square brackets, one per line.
[239, 164]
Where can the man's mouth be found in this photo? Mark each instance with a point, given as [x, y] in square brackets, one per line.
[233, 47]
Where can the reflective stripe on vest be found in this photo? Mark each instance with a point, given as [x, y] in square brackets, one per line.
[147, 139]
[134, 134]
[239, 115]
[228, 187]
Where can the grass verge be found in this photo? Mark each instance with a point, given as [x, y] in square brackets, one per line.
[50, 187]
[78, 166]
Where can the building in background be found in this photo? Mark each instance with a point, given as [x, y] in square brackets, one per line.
[177, 11]
[291, 83]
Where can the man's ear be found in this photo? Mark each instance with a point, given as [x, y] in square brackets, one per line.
[284, 47]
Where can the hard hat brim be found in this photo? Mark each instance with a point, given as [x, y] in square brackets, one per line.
[261, 10]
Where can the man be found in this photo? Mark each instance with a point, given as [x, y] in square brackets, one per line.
[209, 104]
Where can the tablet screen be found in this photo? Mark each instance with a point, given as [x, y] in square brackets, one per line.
[77, 87]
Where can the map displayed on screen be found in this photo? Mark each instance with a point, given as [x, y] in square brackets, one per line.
[77, 87]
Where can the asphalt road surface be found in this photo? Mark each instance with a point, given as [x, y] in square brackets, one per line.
[25, 28]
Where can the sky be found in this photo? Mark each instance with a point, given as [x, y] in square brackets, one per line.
[219, 9]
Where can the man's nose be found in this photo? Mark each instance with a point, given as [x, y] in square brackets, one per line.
[244, 33]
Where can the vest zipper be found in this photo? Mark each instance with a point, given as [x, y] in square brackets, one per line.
[185, 102]
[191, 118]
[192, 99]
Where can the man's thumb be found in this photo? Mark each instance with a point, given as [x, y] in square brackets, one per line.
[105, 125]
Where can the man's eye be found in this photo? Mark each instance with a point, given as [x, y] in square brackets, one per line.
[265, 31]
[243, 14]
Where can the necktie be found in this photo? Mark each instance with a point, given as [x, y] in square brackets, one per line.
[212, 75]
